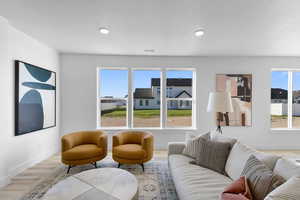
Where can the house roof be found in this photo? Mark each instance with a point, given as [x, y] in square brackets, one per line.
[278, 93]
[143, 93]
[173, 82]
[183, 92]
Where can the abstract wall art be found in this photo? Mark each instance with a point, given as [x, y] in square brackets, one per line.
[240, 88]
[35, 98]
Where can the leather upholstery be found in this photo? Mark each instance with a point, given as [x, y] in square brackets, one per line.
[83, 147]
[133, 147]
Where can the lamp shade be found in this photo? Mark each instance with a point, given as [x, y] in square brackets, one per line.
[219, 102]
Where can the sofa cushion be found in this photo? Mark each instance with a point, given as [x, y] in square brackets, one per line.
[192, 144]
[260, 178]
[238, 157]
[287, 168]
[193, 182]
[212, 155]
[216, 136]
[81, 152]
[287, 191]
[129, 151]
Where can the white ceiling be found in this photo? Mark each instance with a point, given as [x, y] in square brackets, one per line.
[232, 27]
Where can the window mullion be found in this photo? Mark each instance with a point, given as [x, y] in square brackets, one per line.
[290, 98]
[130, 100]
[163, 106]
[194, 106]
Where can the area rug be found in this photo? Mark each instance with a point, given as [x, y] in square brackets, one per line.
[154, 184]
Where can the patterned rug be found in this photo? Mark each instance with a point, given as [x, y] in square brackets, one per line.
[154, 184]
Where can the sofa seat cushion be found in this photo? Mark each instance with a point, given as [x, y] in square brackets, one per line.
[81, 152]
[129, 151]
[194, 182]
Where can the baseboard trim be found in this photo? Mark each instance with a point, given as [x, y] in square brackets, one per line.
[5, 180]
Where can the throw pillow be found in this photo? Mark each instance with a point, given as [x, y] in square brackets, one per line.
[192, 145]
[288, 190]
[218, 137]
[260, 178]
[238, 190]
[212, 155]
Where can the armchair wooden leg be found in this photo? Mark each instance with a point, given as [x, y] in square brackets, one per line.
[119, 165]
[95, 164]
[69, 169]
[143, 167]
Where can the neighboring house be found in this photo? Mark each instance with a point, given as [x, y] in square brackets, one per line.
[149, 98]
[110, 103]
[278, 95]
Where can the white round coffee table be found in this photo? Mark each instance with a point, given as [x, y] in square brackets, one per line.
[95, 184]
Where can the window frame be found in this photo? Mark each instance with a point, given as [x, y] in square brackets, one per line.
[289, 100]
[163, 98]
[99, 98]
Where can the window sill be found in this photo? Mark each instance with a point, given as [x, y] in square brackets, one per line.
[141, 128]
[285, 130]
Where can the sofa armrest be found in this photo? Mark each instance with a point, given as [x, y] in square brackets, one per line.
[117, 140]
[175, 147]
[67, 143]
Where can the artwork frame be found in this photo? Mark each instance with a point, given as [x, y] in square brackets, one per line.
[35, 98]
[240, 87]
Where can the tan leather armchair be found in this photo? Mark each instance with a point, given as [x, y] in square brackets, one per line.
[132, 147]
[83, 147]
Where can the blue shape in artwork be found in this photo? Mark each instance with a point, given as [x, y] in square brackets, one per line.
[38, 73]
[31, 114]
[41, 86]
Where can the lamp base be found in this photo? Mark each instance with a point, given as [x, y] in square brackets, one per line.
[219, 129]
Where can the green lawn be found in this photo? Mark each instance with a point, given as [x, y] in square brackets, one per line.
[146, 113]
[279, 116]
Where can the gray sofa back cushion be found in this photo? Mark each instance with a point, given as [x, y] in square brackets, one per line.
[212, 155]
[216, 136]
[287, 168]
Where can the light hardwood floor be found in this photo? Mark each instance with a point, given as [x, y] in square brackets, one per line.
[27, 180]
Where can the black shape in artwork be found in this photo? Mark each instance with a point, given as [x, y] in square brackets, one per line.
[31, 114]
[40, 86]
[38, 73]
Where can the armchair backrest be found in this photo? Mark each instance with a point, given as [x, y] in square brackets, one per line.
[79, 138]
[132, 137]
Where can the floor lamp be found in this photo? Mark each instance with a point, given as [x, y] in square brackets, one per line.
[219, 102]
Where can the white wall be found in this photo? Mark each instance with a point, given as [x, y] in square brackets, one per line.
[18, 153]
[78, 81]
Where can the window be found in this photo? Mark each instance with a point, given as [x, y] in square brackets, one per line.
[146, 98]
[113, 98]
[144, 83]
[181, 89]
[285, 99]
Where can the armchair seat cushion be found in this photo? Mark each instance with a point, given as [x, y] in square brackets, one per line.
[81, 152]
[129, 151]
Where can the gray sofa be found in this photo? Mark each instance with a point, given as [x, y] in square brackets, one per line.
[193, 182]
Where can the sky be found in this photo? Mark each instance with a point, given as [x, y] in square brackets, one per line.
[280, 80]
[115, 82]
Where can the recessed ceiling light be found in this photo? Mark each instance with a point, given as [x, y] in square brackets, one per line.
[199, 32]
[149, 50]
[104, 31]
